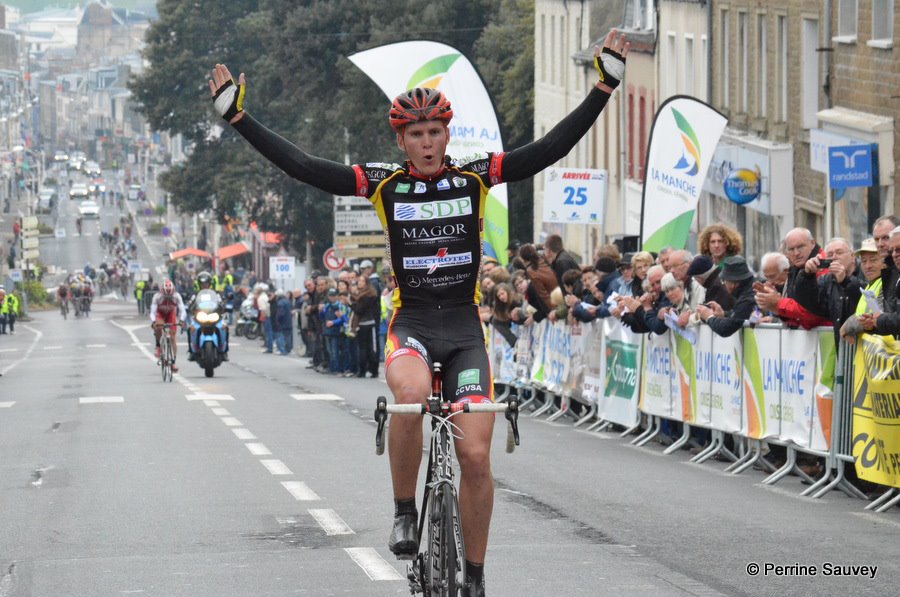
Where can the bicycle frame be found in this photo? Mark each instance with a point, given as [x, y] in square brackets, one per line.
[440, 479]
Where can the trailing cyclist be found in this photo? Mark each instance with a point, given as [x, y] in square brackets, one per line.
[167, 308]
[436, 300]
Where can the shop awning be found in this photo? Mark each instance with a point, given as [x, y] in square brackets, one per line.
[270, 238]
[189, 252]
[230, 251]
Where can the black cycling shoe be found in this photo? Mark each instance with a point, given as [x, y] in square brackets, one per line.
[403, 542]
[224, 356]
[472, 589]
[192, 356]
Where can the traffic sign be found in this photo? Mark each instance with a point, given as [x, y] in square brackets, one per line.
[30, 242]
[29, 222]
[574, 195]
[15, 275]
[60, 233]
[134, 267]
[282, 268]
[361, 220]
[332, 261]
[29, 232]
[31, 254]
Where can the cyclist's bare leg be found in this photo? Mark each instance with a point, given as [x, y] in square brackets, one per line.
[174, 345]
[476, 484]
[409, 379]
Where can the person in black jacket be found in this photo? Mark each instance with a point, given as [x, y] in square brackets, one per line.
[560, 260]
[887, 322]
[706, 273]
[738, 281]
[835, 294]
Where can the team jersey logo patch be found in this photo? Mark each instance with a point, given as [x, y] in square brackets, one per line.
[433, 210]
[443, 184]
[441, 259]
[403, 187]
[459, 182]
[420, 187]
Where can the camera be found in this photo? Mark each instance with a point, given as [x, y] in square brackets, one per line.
[823, 263]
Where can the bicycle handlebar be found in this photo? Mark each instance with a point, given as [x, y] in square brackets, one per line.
[438, 408]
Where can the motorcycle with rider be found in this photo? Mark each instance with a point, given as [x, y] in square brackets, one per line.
[207, 330]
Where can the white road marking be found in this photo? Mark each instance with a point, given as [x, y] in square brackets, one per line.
[234, 343]
[222, 397]
[53, 348]
[9, 350]
[300, 491]
[211, 402]
[326, 397]
[95, 345]
[375, 567]
[101, 400]
[330, 522]
[7, 404]
[232, 422]
[258, 449]
[221, 412]
[243, 434]
[276, 467]
[37, 338]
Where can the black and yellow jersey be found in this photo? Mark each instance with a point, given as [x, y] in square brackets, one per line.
[434, 227]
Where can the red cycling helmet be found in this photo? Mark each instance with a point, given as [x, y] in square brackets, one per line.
[419, 104]
[168, 289]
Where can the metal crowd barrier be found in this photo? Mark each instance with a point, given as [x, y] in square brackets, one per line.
[724, 385]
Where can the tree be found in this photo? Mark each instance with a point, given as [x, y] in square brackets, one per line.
[301, 84]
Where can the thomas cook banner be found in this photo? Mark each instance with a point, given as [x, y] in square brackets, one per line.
[395, 68]
[683, 138]
[876, 410]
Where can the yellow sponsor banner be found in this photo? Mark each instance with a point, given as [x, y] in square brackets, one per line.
[876, 410]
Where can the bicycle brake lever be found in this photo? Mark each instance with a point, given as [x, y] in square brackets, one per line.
[512, 415]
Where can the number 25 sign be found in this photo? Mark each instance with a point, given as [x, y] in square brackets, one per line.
[574, 195]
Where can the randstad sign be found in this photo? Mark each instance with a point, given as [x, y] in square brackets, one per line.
[849, 166]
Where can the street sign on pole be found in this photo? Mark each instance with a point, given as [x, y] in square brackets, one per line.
[331, 260]
[849, 166]
[282, 269]
[30, 242]
[15, 275]
[30, 254]
[60, 233]
[29, 222]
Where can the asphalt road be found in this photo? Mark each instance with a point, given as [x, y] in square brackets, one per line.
[263, 481]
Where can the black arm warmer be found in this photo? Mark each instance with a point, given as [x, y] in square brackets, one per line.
[528, 160]
[331, 177]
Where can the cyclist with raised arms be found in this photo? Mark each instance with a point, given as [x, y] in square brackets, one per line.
[167, 308]
[432, 208]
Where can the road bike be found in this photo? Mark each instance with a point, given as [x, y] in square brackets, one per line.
[64, 307]
[166, 351]
[439, 569]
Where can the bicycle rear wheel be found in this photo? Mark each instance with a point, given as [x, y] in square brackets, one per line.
[444, 561]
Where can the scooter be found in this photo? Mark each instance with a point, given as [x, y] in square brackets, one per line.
[248, 322]
[209, 334]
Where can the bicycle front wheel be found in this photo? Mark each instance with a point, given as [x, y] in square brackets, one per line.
[444, 562]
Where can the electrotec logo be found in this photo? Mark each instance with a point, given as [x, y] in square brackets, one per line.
[433, 210]
[441, 259]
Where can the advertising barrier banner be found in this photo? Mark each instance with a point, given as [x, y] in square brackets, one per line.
[824, 392]
[762, 351]
[876, 410]
[657, 376]
[593, 363]
[620, 356]
[796, 372]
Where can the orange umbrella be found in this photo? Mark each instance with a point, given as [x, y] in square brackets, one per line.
[190, 251]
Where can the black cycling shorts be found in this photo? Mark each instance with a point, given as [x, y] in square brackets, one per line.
[451, 336]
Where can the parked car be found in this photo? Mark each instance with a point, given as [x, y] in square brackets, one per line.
[135, 192]
[60, 156]
[79, 190]
[89, 209]
[47, 198]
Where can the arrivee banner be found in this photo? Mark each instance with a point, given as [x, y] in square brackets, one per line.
[396, 68]
[683, 138]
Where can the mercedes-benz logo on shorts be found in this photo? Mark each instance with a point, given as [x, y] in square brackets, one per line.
[413, 281]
